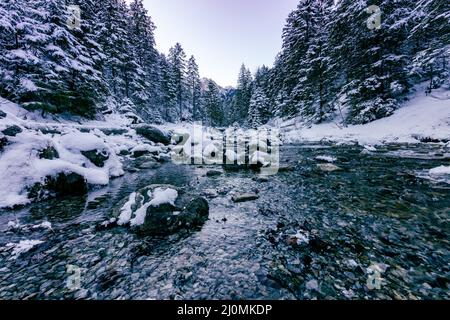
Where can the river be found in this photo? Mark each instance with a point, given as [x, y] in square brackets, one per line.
[376, 229]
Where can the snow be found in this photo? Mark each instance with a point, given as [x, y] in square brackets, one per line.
[159, 196]
[139, 215]
[79, 141]
[126, 210]
[21, 166]
[162, 196]
[370, 148]
[301, 237]
[326, 159]
[422, 117]
[442, 170]
[22, 247]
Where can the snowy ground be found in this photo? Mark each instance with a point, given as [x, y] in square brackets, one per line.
[22, 164]
[421, 118]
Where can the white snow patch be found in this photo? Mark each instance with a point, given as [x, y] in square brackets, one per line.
[326, 158]
[126, 211]
[421, 117]
[160, 196]
[442, 170]
[22, 247]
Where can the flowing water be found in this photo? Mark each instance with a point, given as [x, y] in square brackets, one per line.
[377, 229]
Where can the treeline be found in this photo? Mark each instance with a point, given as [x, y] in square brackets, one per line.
[336, 61]
[109, 61]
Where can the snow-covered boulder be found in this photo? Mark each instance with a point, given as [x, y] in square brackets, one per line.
[153, 134]
[12, 131]
[161, 210]
[34, 166]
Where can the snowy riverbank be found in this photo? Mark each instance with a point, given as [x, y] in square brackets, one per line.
[422, 119]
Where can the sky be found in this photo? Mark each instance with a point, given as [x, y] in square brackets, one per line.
[222, 34]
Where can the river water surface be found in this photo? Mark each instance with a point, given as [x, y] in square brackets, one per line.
[377, 229]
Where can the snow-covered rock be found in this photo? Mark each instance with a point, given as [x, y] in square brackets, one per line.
[161, 210]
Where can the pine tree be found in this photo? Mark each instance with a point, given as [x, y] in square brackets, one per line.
[194, 85]
[177, 59]
[243, 94]
[257, 109]
[169, 90]
[212, 104]
[430, 42]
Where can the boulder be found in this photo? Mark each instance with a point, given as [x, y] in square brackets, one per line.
[98, 158]
[153, 134]
[186, 213]
[213, 173]
[285, 168]
[64, 184]
[2, 114]
[243, 197]
[3, 143]
[12, 131]
[48, 153]
[139, 153]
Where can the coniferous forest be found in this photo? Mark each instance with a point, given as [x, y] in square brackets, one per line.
[330, 60]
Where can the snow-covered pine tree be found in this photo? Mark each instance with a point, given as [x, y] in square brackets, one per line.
[212, 104]
[21, 65]
[257, 109]
[177, 59]
[113, 37]
[371, 62]
[194, 86]
[142, 42]
[243, 94]
[430, 42]
[168, 90]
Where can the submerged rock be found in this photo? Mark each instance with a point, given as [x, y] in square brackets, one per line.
[213, 173]
[98, 158]
[12, 131]
[243, 197]
[153, 134]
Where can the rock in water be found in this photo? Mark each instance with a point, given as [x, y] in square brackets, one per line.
[328, 167]
[153, 134]
[64, 184]
[213, 173]
[167, 218]
[67, 184]
[243, 197]
[12, 131]
[98, 158]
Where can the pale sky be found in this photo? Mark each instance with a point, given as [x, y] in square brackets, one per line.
[222, 34]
